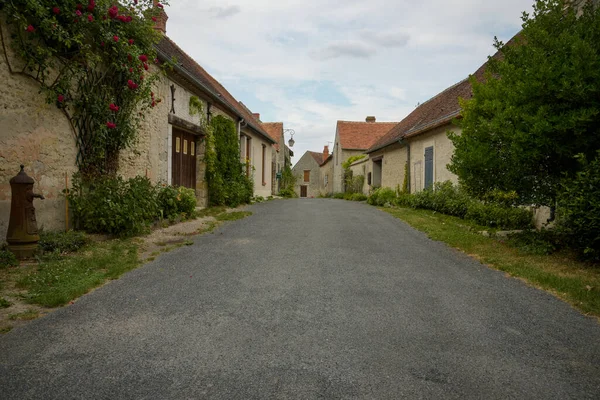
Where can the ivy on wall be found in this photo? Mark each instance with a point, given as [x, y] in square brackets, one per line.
[92, 60]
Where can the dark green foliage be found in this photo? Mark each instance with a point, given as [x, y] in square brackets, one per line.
[228, 184]
[7, 259]
[288, 183]
[498, 216]
[521, 132]
[175, 202]
[579, 209]
[450, 199]
[62, 242]
[339, 196]
[381, 197]
[358, 197]
[114, 205]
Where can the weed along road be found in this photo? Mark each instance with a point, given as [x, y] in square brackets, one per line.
[309, 298]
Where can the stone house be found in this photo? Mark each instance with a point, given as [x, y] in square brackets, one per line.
[308, 174]
[171, 142]
[354, 138]
[281, 153]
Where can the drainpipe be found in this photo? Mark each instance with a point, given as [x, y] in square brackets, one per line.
[405, 143]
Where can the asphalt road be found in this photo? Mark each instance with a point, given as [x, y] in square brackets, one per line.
[308, 299]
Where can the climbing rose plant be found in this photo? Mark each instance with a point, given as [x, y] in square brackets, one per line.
[93, 60]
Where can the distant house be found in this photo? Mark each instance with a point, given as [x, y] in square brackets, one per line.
[308, 174]
[326, 168]
[354, 138]
[281, 153]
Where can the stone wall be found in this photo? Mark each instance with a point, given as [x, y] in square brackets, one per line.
[393, 165]
[39, 136]
[326, 175]
[307, 162]
[362, 168]
[261, 188]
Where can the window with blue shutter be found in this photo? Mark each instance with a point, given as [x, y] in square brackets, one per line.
[428, 167]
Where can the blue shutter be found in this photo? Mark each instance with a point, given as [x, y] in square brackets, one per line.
[428, 167]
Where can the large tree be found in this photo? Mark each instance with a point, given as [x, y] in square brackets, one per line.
[537, 108]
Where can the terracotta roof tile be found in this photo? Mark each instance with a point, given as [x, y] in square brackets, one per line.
[170, 49]
[361, 135]
[317, 156]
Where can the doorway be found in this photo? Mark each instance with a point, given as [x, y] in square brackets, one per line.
[184, 159]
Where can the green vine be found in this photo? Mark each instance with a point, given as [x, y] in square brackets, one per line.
[228, 184]
[94, 61]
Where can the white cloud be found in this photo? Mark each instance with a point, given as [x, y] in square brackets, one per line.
[383, 56]
[224, 12]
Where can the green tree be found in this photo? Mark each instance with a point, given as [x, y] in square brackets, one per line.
[536, 109]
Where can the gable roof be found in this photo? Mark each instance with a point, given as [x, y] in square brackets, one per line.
[274, 130]
[317, 156]
[437, 111]
[168, 49]
[356, 135]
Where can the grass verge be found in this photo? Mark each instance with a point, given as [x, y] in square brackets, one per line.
[58, 280]
[561, 274]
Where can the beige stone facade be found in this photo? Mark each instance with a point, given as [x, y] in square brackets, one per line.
[326, 177]
[261, 158]
[442, 155]
[308, 175]
[39, 136]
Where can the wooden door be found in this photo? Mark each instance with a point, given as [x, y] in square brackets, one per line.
[303, 191]
[428, 167]
[184, 159]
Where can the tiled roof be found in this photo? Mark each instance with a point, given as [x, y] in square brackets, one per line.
[361, 135]
[327, 160]
[274, 130]
[317, 156]
[439, 110]
[210, 84]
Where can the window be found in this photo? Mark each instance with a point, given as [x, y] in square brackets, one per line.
[307, 175]
[264, 160]
[193, 148]
[185, 146]
[369, 179]
[177, 144]
[326, 180]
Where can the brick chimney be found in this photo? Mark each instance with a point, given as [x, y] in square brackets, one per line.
[256, 115]
[161, 20]
[325, 153]
[370, 119]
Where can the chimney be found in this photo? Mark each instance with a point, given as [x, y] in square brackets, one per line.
[256, 115]
[370, 119]
[161, 20]
[325, 153]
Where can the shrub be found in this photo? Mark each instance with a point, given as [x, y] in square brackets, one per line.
[288, 193]
[62, 242]
[114, 205]
[579, 209]
[381, 197]
[7, 259]
[445, 198]
[339, 196]
[186, 201]
[358, 197]
[4, 303]
[497, 216]
[167, 201]
[536, 242]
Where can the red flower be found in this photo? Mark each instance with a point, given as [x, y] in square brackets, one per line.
[60, 98]
[113, 107]
[79, 6]
[91, 5]
[78, 13]
[131, 70]
[151, 94]
[146, 66]
[91, 18]
[132, 85]
[116, 38]
[153, 103]
[30, 29]
[113, 11]
[111, 125]
[102, 44]
[156, 61]
[131, 42]
[141, 77]
[56, 10]
[154, 19]
[159, 5]
[129, 57]
[143, 58]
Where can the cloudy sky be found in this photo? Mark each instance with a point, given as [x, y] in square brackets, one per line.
[310, 63]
